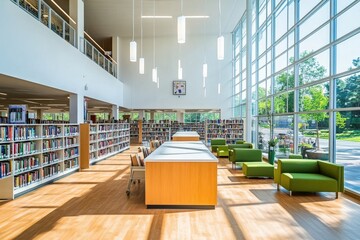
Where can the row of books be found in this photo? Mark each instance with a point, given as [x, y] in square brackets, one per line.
[5, 151]
[6, 133]
[24, 148]
[24, 133]
[26, 179]
[51, 130]
[52, 144]
[70, 152]
[24, 164]
[50, 157]
[5, 169]
[51, 170]
[71, 163]
[71, 130]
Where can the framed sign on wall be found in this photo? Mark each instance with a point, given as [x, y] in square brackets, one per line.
[179, 87]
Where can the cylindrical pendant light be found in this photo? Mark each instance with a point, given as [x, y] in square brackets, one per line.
[133, 46]
[141, 59]
[180, 72]
[204, 82]
[219, 88]
[205, 70]
[141, 65]
[133, 54]
[154, 75]
[181, 27]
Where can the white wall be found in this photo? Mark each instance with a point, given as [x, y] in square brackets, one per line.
[31, 51]
[141, 93]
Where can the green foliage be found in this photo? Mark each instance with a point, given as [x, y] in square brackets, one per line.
[273, 142]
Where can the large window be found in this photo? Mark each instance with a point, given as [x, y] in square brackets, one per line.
[305, 76]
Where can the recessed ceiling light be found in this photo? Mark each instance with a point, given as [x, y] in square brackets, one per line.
[29, 101]
[196, 16]
[39, 107]
[2, 98]
[41, 99]
[158, 17]
[57, 104]
[1, 93]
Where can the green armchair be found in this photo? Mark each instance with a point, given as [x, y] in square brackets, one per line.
[244, 155]
[309, 176]
[217, 142]
[222, 151]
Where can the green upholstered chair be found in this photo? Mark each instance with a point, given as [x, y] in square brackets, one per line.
[244, 155]
[222, 151]
[300, 175]
[217, 142]
[295, 156]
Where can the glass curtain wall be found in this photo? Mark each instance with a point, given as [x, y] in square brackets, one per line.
[305, 79]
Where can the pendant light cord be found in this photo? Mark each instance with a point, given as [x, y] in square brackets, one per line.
[141, 29]
[220, 18]
[154, 35]
[133, 5]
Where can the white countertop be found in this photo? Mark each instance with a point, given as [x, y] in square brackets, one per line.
[182, 152]
[186, 134]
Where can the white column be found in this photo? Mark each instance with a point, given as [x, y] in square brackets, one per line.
[248, 70]
[39, 113]
[77, 108]
[76, 9]
[141, 114]
[180, 116]
[114, 112]
[115, 53]
[152, 114]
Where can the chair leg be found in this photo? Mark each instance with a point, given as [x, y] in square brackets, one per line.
[337, 195]
[290, 193]
[278, 187]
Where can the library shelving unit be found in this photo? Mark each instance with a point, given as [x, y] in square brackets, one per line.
[32, 155]
[99, 141]
[198, 127]
[231, 130]
[152, 130]
[134, 131]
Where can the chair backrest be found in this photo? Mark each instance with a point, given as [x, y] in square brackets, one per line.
[218, 141]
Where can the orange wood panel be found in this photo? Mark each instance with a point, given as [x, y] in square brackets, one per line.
[140, 131]
[186, 138]
[84, 146]
[181, 183]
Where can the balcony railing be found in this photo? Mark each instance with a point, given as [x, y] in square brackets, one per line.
[43, 13]
[89, 50]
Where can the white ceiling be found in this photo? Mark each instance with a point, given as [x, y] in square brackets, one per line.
[107, 18]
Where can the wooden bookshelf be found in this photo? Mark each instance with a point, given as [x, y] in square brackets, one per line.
[35, 154]
[230, 130]
[152, 130]
[103, 140]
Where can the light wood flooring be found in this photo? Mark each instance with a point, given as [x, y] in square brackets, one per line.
[92, 204]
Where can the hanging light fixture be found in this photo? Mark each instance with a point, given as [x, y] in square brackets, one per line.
[180, 72]
[141, 59]
[205, 70]
[158, 82]
[154, 70]
[133, 45]
[219, 88]
[220, 39]
[181, 26]
[204, 82]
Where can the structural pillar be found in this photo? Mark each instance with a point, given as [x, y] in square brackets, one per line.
[39, 113]
[76, 10]
[141, 115]
[114, 112]
[77, 108]
[180, 116]
[248, 70]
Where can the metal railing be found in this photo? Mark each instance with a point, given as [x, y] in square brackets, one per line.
[43, 13]
[89, 50]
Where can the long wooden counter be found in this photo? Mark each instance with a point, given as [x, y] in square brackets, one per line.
[186, 136]
[182, 174]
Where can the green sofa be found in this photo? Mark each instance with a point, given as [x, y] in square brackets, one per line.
[309, 176]
[244, 155]
[217, 142]
[242, 145]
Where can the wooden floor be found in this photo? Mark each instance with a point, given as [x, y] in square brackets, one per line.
[93, 205]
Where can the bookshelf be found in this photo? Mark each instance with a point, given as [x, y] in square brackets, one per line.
[152, 130]
[230, 130]
[99, 141]
[35, 154]
[134, 131]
